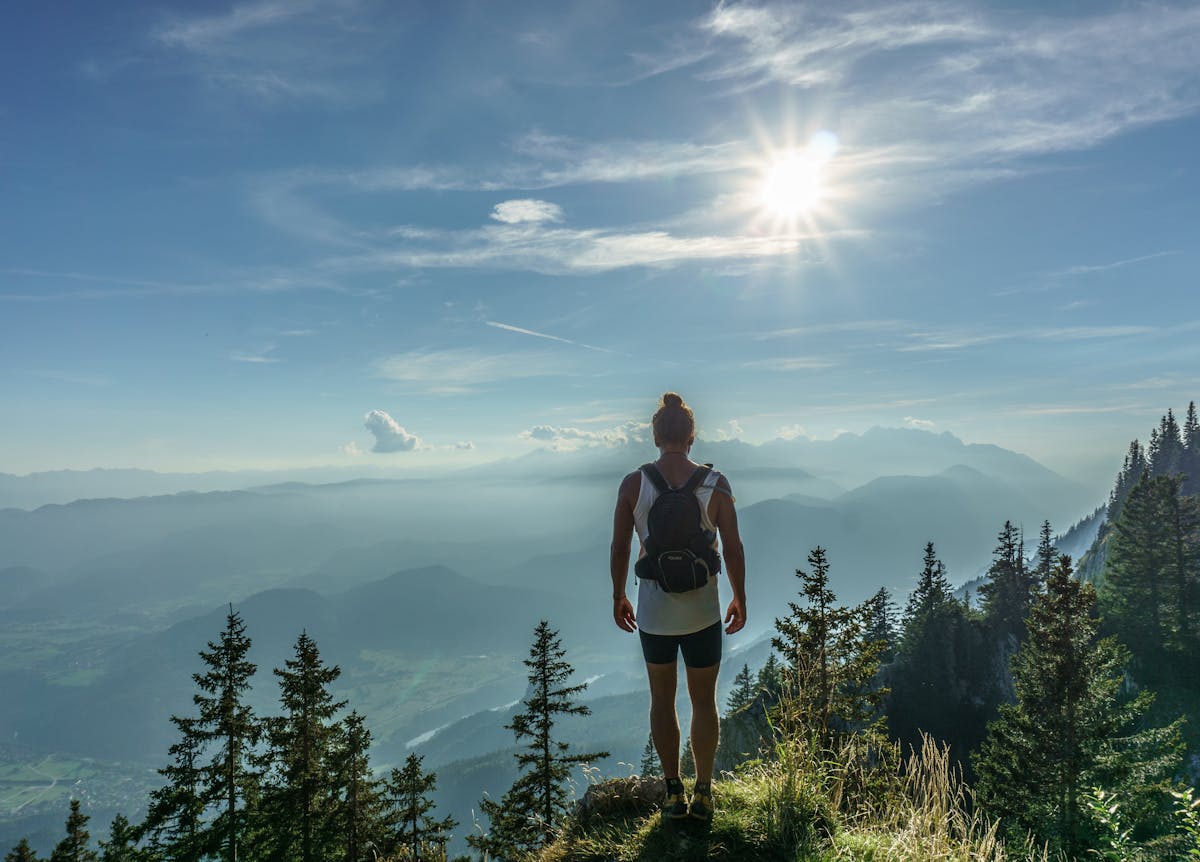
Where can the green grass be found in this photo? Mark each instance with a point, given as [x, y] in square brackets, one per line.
[801, 808]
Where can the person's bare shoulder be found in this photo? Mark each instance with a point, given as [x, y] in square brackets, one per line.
[631, 486]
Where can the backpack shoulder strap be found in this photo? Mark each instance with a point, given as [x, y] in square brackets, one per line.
[697, 477]
[656, 478]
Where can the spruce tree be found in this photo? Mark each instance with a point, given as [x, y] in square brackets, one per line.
[122, 843]
[743, 690]
[22, 852]
[299, 802]
[74, 846]
[359, 809]
[410, 821]
[1191, 451]
[940, 679]
[770, 678]
[880, 623]
[1166, 448]
[831, 665]
[1070, 729]
[1046, 554]
[529, 813]
[1134, 466]
[1149, 593]
[649, 764]
[932, 586]
[175, 818]
[1009, 587]
[226, 721]
[687, 762]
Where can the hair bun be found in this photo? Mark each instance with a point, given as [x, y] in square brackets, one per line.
[670, 399]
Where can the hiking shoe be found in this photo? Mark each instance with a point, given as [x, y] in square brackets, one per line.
[702, 802]
[674, 805]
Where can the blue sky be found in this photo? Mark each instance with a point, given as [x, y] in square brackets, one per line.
[275, 234]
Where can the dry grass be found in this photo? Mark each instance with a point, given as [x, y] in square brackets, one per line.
[932, 819]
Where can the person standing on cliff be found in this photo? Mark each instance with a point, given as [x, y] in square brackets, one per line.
[678, 608]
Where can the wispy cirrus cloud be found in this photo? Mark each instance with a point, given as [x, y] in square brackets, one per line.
[457, 370]
[279, 49]
[790, 363]
[953, 92]
[1087, 269]
[261, 356]
[508, 327]
[563, 250]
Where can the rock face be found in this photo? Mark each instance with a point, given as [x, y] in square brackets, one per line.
[621, 797]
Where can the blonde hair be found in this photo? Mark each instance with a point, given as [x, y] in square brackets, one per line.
[673, 422]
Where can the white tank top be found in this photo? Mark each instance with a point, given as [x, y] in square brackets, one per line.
[661, 613]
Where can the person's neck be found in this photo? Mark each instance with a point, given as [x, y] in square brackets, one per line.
[663, 453]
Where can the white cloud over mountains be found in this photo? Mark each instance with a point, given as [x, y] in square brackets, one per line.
[390, 435]
[571, 437]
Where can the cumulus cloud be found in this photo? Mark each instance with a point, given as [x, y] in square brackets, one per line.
[465, 445]
[791, 432]
[353, 449]
[526, 210]
[731, 430]
[570, 437]
[390, 435]
[920, 424]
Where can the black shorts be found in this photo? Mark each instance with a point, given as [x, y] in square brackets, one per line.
[700, 649]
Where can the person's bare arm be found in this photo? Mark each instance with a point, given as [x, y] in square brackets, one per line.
[618, 554]
[733, 554]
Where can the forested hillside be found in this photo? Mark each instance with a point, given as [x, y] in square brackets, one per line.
[1065, 702]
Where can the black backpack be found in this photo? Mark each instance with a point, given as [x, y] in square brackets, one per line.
[679, 551]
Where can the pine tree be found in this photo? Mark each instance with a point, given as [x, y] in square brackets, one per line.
[1069, 729]
[743, 690]
[1191, 451]
[649, 764]
[225, 720]
[122, 842]
[831, 664]
[528, 815]
[410, 819]
[940, 679]
[1166, 448]
[770, 679]
[22, 852]
[880, 623]
[1009, 588]
[175, 819]
[1046, 554]
[299, 802]
[744, 727]
[1134, 466]
[932, 586]
[359, 811]
[1149, 593]
[687, 762]
[74, 847]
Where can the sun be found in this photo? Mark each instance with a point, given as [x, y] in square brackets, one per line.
[793, 183]
[791, 186]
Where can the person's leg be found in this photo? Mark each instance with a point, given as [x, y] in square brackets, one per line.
[706, 725]
[664, 723]
[702, 655]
